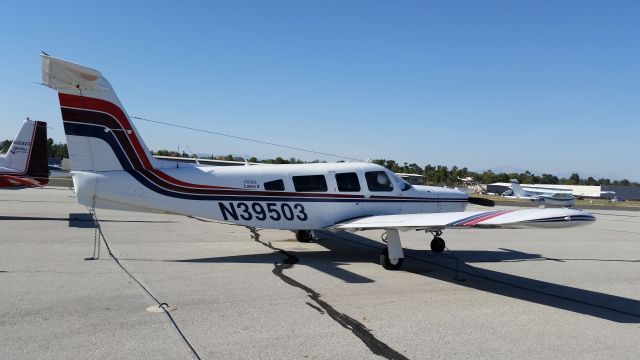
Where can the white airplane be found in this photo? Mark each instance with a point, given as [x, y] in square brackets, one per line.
[113, 169]
[547, 198]
[26, 162]
[467, 180]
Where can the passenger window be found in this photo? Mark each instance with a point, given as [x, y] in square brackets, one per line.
[314, 183]
[275, 185]
[348, 182]
[378, 181]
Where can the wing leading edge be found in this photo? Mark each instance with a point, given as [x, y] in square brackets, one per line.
[509, 219]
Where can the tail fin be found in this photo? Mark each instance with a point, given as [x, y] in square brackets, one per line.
[17, 157]
[516, 188]
[38, 167]
[27, 154]
[100, 135]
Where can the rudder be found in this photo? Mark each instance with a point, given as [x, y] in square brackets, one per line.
[38, 167]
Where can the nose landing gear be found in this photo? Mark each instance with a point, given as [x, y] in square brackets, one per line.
[304, 236]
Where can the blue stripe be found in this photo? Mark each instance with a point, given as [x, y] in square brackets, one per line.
[564, 219]
[470, 218]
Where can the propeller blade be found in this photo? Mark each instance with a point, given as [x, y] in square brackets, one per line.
[481, 201]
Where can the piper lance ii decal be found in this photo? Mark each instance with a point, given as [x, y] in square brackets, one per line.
[263, 211]
[251, 184]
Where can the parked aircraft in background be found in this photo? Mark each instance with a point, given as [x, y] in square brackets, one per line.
[25, 164]
[467, 180]
[112, 168]
[413, 179]
[547, 198]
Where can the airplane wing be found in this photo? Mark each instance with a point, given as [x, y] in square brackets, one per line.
[510, 219]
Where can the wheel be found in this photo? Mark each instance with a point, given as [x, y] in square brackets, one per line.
[386, 262]
[437, 245]
[304, 236]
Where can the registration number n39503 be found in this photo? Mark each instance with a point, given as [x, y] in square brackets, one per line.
[262, 211]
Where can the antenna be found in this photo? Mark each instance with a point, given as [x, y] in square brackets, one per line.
[245, 139]
[246, 162]
[194, 155]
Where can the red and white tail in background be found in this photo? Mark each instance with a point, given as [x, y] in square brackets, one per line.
[26, 161]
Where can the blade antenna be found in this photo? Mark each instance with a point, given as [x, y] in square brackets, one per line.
[246, 162]
[194, 155]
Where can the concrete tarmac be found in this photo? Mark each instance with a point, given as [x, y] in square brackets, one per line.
[497, 294]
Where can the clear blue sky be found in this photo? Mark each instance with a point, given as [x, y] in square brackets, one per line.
[549, 86]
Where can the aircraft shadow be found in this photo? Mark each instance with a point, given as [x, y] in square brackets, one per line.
[77, 220]
[455, 268]
[328, 262]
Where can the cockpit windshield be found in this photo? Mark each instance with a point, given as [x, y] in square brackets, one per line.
[402, 184]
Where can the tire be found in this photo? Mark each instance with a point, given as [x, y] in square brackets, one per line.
[386, 262]
[304, 236]
[437, 245]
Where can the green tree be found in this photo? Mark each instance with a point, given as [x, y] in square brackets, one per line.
[4, 146]
[58, 151]
[574, 179]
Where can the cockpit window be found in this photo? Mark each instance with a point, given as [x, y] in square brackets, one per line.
[378, 181]
[275, 185]
[315, 183]
[402, 183]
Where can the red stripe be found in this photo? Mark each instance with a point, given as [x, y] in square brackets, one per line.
[83, 102]
[182, 183]
[487, 217]
[11, 181]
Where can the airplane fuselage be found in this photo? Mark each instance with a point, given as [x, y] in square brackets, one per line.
[309, 196]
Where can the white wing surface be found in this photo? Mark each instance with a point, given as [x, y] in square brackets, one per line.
[509, 219]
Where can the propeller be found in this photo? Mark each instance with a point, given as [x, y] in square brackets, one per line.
[481, 201]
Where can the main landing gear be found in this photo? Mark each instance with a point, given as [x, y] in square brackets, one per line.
[437, 244]
[392, 257]
[304, 236]
[388, 263]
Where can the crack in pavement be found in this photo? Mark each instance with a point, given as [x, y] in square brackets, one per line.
[357, 328]
[315, 307]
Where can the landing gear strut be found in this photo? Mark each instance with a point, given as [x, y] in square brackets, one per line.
[304, 236]
[392, 257]
[437, 244]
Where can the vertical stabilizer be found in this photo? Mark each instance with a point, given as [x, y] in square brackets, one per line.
[517, 189]
[17, 156]
[100, 135]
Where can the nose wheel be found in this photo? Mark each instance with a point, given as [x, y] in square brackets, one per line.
[304, 236]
